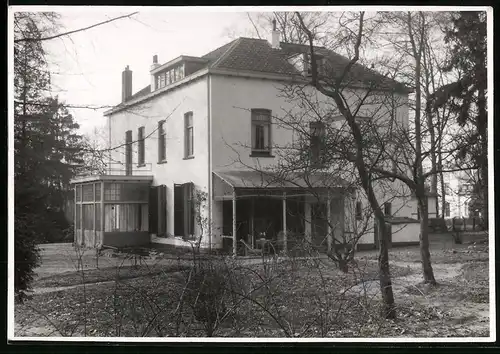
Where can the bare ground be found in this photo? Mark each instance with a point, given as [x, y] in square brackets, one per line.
[457, 307]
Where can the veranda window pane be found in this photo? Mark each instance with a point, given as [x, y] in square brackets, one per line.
[111, 191]
[134, 192]
[98, 217]
[111, 217]
[78, 193]
[78, 216]
[125, 217]
[88, 192]
[88, 216]
[98, 191]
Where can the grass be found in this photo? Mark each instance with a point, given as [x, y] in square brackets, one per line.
[105, 274]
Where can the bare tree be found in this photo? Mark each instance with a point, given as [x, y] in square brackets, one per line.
[335, 92]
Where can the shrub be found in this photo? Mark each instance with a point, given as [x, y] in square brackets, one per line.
[26, 257]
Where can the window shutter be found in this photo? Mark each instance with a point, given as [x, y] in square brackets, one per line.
[128, 152]
[153, 210]
[178, 210]
[188, 209]
[162, 201]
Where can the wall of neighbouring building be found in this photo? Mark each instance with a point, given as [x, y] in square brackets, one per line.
[405, 233]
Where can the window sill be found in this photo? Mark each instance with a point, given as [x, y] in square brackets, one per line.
[161, 162]
[261, 154]
[188, 157]
[141, 165]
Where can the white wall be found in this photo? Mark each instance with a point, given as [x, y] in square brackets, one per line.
[231, 101]
[234, 97]
[406, 232]
[170, 106]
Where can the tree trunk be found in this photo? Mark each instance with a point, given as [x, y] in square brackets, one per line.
[483, 134]
[424, 242]
[430, 125]
[419, 177]
[388, 309]
[443, 188]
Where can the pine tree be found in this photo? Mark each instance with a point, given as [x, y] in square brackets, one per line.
[467, 96]
[46, 148]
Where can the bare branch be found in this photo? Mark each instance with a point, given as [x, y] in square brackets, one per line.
[27, 39]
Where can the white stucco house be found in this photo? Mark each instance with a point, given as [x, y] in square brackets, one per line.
[207, 127]
[459, 191]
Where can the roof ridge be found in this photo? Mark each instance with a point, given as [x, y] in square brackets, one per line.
[254, 39]
[226, 53]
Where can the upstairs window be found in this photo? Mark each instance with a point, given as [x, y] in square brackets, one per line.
[128, 152]
[140, 146]
[388, 209]
[184, 210]
[317, 143]
[359, 211]
[447, 209]
[320, 64]
[261, 132]
[188, 135]
[162, 143]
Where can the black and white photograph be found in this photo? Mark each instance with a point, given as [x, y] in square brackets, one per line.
[235, 174]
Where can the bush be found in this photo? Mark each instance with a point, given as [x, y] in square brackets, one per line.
[209, 293]
[55, 227]
[437, 225]
[26, 257]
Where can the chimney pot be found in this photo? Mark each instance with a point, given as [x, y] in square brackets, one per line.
[275, 37]
[155, 59]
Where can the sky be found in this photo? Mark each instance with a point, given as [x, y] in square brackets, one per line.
[87, 66]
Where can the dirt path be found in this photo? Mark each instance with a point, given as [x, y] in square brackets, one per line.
[461, 313]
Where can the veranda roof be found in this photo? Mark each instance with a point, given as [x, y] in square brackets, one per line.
[253, 179]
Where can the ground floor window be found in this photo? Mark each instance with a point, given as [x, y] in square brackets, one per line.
[125, 217]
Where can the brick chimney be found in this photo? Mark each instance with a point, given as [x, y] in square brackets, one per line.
[126, 84]
[275, 37]
[154, 66]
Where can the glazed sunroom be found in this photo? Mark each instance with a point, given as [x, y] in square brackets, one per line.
[111, 210]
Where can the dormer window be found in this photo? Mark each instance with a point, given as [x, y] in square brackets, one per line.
[169, 76]
[320, 64]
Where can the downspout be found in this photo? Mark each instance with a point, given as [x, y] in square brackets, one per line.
[209, 132]
[109, 144]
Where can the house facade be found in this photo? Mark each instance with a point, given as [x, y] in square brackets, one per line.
[202, 144]
[460, 196]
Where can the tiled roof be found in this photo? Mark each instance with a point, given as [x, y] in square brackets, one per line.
[250, 54]
[215, 54]
[359, 74]
[142, 92]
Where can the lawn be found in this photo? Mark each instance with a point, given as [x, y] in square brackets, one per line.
[90, 276]
[294, 298]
